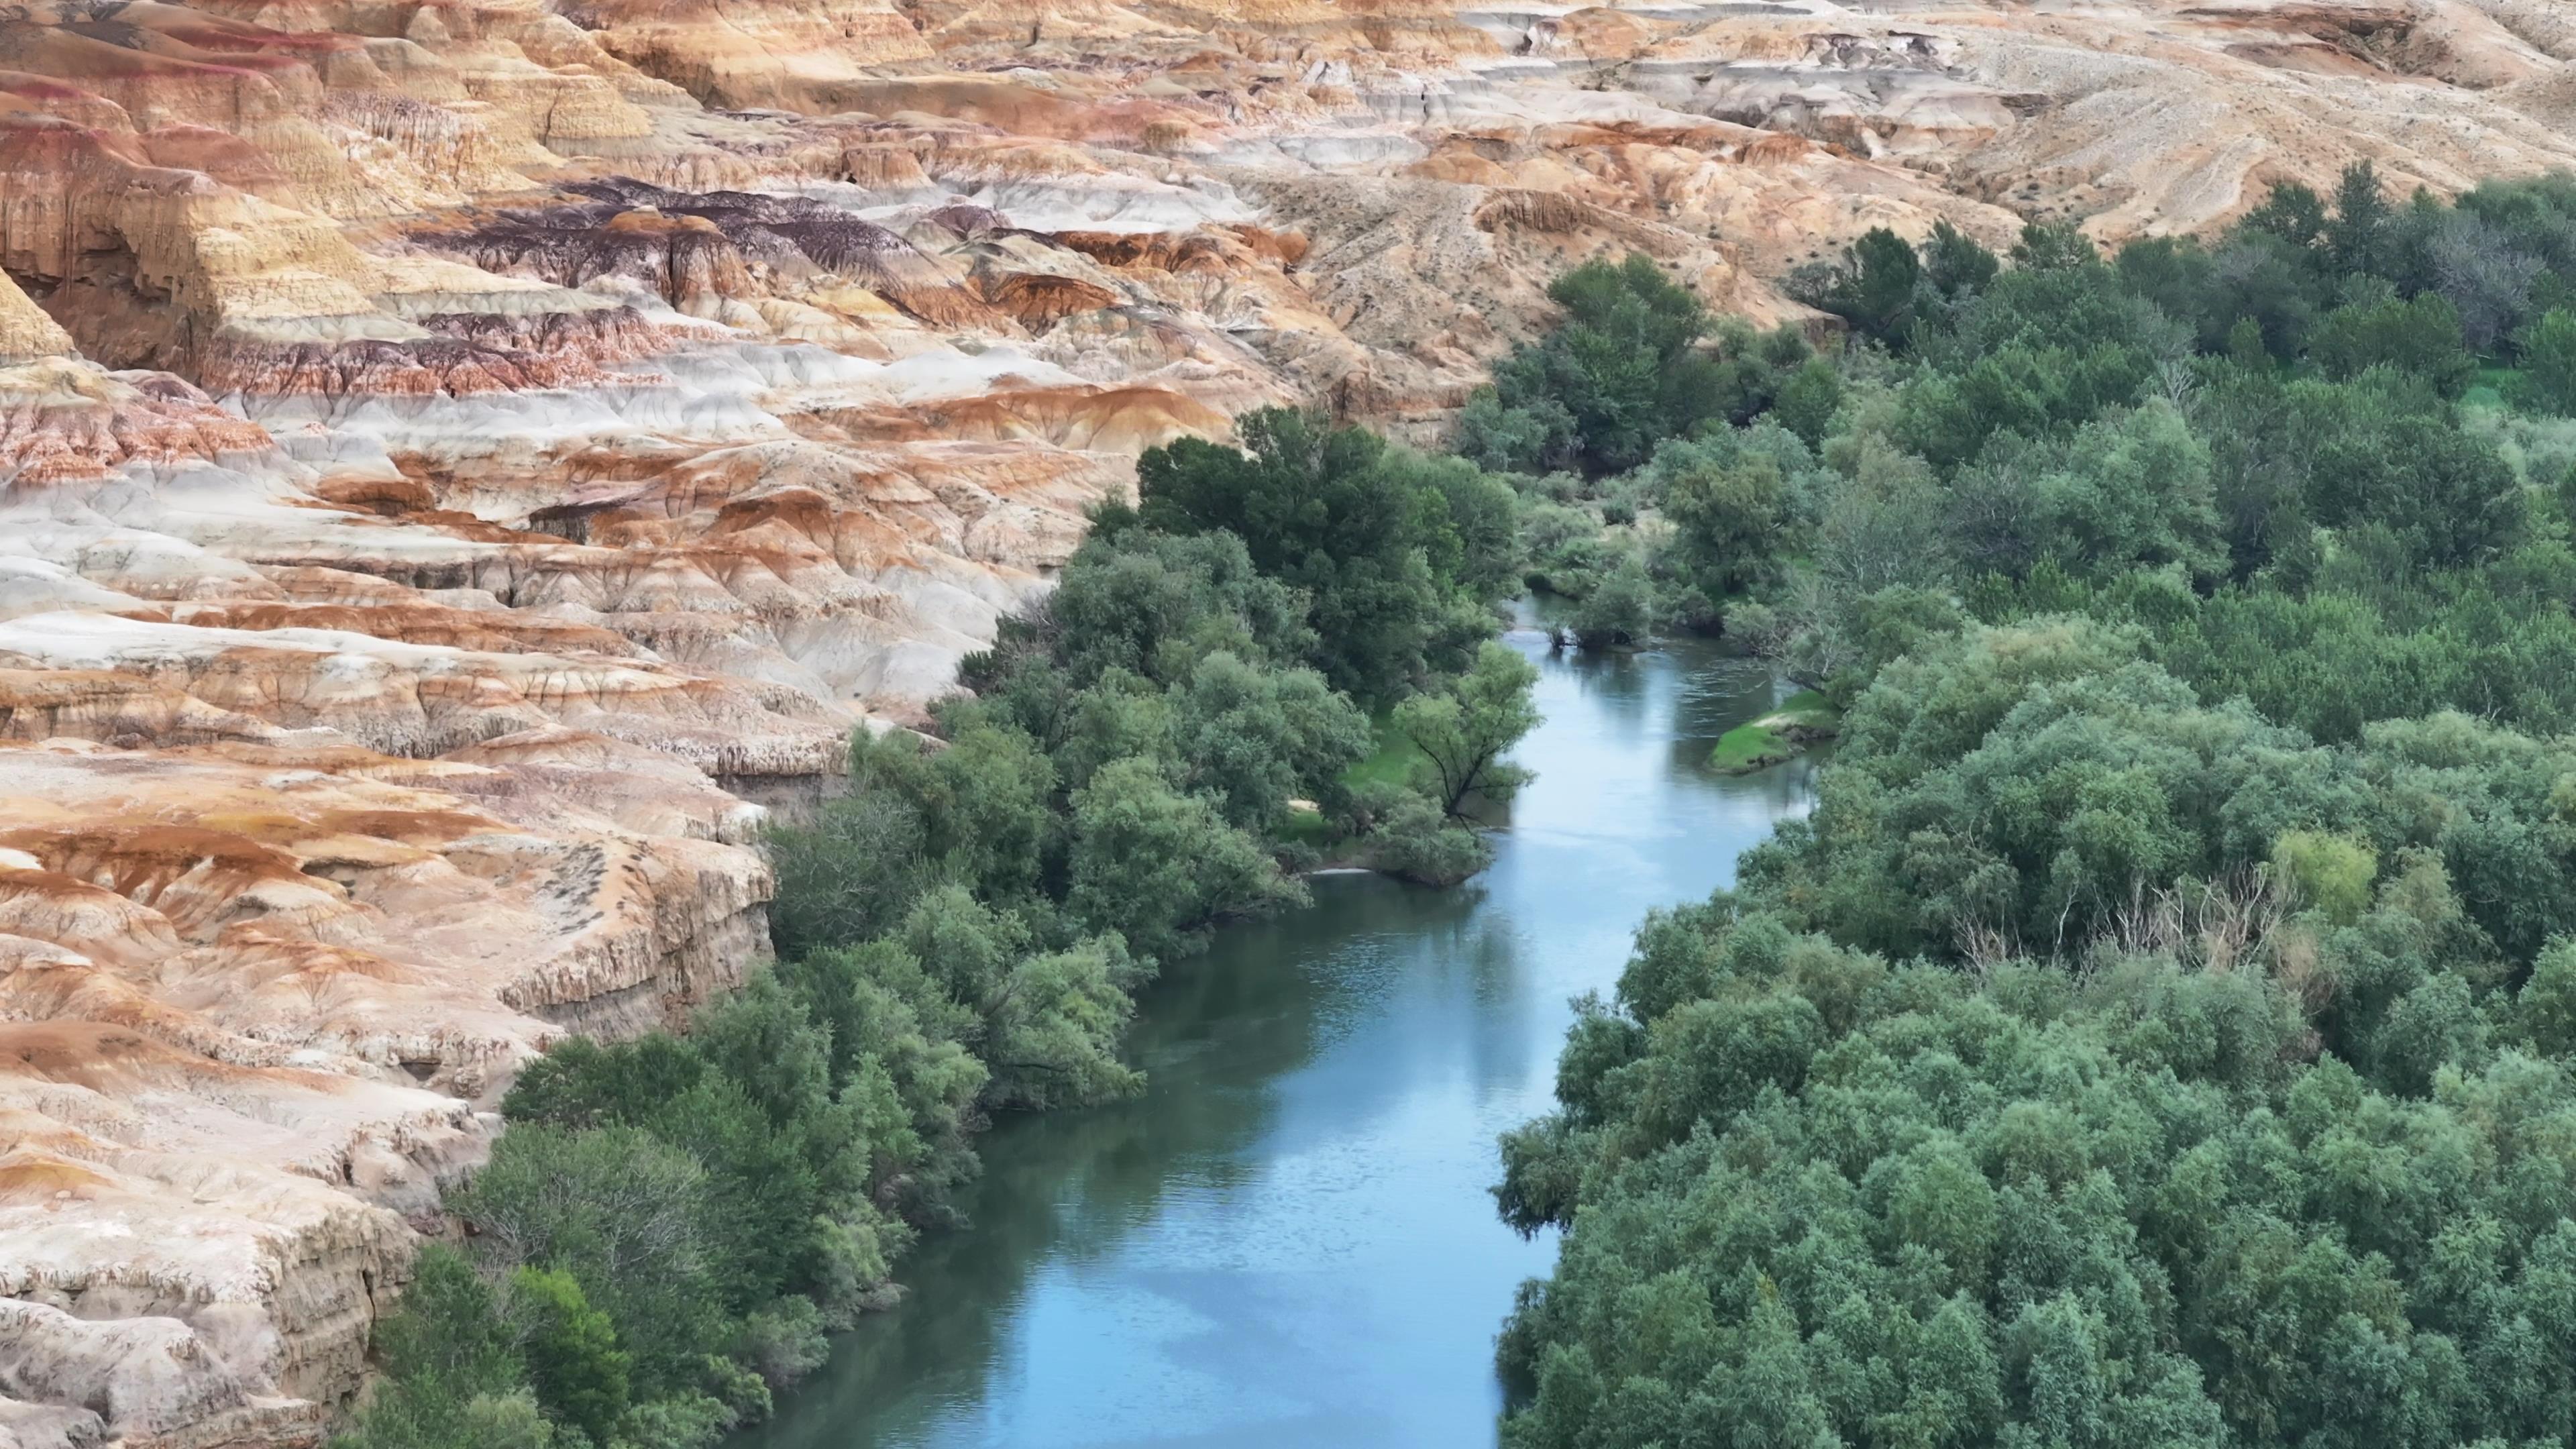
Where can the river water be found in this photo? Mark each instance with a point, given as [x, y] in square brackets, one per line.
[1288, 1239]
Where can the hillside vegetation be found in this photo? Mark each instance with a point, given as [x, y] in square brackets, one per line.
[2159, 1032]
[671, 1225]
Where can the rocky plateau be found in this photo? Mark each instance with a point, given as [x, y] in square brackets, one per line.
[465, 464]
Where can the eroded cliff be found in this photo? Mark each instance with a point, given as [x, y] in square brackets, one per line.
[463, 464]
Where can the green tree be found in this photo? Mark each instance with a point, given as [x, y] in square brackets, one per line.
[1732, 518]
[2331, 873]
[1464, 731]
[2547, 1001]
[1772, 1402]
[574, 1364]
[1872, 286]
[848, 875]
[1620, 609]
[1150, 603]
[1409, 835]
[1055, 1026]
[627, 1215]
[1161, 867]
[784, 1342]
[1331, 512]
[2292, 213]
[2111, 496]
[449, 1330]
[2053, 247]
[1954, 263]
[1808, 400]
[2358, 240]
[2421, 337]
[2546, 353]
[1257, 739]
[1624, 365]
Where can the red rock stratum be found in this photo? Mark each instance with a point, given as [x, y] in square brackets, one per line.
[464, 464]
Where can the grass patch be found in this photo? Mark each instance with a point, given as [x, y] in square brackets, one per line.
[1750, 747]
[2493, 388]
[1808, 710]
[1778, 737]
[1391, 763]
[1307, 827]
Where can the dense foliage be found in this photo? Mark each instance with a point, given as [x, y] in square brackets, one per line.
[671, 1225]
[2158, 1033]
[1818, 1198]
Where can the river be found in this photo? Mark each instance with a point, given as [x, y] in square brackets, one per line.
[1288, 1239]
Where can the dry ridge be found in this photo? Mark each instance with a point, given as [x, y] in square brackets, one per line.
[465, 463]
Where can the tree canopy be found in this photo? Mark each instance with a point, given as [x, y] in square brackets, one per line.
[2159, 1030]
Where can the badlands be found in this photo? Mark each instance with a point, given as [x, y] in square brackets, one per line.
[465, 464]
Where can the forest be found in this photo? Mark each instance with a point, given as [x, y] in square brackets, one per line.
[2159, 1031]
[1279, 654]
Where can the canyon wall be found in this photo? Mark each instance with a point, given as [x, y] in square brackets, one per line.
[465, 464]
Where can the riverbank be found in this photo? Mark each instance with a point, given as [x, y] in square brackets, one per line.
[1287, 1238]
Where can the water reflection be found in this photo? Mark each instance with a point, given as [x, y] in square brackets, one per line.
[1288, 1240]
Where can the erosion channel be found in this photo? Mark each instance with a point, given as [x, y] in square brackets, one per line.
[1287, 1240]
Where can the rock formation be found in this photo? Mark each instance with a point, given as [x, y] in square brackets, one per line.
[463, 466]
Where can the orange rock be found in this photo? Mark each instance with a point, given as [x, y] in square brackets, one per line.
[509, 446]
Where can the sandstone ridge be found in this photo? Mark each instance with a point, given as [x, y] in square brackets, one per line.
[465, 466]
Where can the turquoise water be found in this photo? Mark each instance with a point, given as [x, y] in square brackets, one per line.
[1288, 1240]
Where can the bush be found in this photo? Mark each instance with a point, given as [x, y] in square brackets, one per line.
[1159, 866]
[1412, 838]
[2421, 337]
[2331, 873]
[1620, 611]
[2547, 380]
[783, 1342]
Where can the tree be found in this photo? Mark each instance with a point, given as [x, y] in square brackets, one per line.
[449, 1329]
[1334, 513]
[2054, 247]
[1150, 603]
[2546, 1004]
[1620, 610]
[1623, 367]
[2485, 277]
[2291, 213]
[574, 1364]
[2332, 873]
[1409, 835]
[1872, 286]
[1954, 263]
[1464, 730]
[2547, 357]
[1160, 866]
[1731, 517]
[784, 1342]
[849, 875]
[2376, 455]
[1257, 739]
[1772, 1402]
[1531, 437]
[625, 1214]
[2421, 336]
[2114, 495]
[2357, 239]
[1055, 1027]
[1808, 400]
